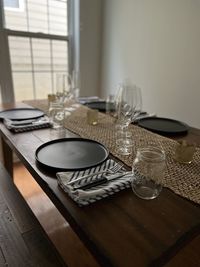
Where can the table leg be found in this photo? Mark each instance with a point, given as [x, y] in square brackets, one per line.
[7, 157]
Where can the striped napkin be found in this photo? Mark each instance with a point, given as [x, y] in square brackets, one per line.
[88, 196]
[22, 126]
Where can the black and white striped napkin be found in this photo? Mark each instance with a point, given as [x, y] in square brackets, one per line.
[88, 196]
[22, 126]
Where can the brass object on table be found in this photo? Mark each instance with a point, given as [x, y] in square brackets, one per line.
[92, 116]
[184, 152]
[51, 98]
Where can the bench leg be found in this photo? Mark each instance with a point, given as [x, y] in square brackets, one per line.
[7, 157]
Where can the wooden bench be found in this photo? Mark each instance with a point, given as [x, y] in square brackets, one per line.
[23, 242]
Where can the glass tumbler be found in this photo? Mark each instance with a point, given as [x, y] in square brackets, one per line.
[56, 114]
[110, 105]
[148, 170]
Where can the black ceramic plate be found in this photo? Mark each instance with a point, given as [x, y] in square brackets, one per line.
[100, 105]
[21, 114]
[164, 125]
[71, 154]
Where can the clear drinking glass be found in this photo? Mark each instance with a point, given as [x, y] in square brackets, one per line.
[63, 86]
[110, 104]
[129, 103]
[124, 142]
[138, 105]
[57, 114]
[76, 84]
[148, 170]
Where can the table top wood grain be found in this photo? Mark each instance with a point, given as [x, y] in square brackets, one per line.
[121, 230]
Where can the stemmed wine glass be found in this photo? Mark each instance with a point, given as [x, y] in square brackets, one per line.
[76, 82]
[63, 87]
[129, 104]
[138, 107]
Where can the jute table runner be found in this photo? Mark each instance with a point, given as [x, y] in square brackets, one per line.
[183, 179]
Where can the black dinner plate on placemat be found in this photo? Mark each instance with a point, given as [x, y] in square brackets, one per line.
[71, 154]
[100, 105]
[164, 126]
[21, 114]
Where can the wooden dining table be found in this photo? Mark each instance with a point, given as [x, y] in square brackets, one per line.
[121, 230]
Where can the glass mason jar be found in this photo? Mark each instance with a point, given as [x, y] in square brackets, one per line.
[148, 171]
[56, 114]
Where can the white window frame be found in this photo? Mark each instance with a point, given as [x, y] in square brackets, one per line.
[16, 9]
[6, 83]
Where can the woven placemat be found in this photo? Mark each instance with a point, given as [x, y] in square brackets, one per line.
[183, 179]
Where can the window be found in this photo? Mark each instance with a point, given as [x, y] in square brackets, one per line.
[37, 44]
[14, 5]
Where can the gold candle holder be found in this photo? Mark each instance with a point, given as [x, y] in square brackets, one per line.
[184, 152]
[92, 117]
[51, 98]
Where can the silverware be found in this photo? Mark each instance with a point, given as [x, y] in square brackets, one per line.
[23, 122]
[112, 170]
[103, 180]
[26, 123]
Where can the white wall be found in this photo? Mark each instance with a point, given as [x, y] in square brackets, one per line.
[90, 46]
[157, 44]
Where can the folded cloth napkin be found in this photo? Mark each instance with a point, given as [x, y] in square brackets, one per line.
[27, 125]
[87, 196]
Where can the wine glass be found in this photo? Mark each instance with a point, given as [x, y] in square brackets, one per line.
[129, 103]
[63, 86]
[76, 82]
[138, 107]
